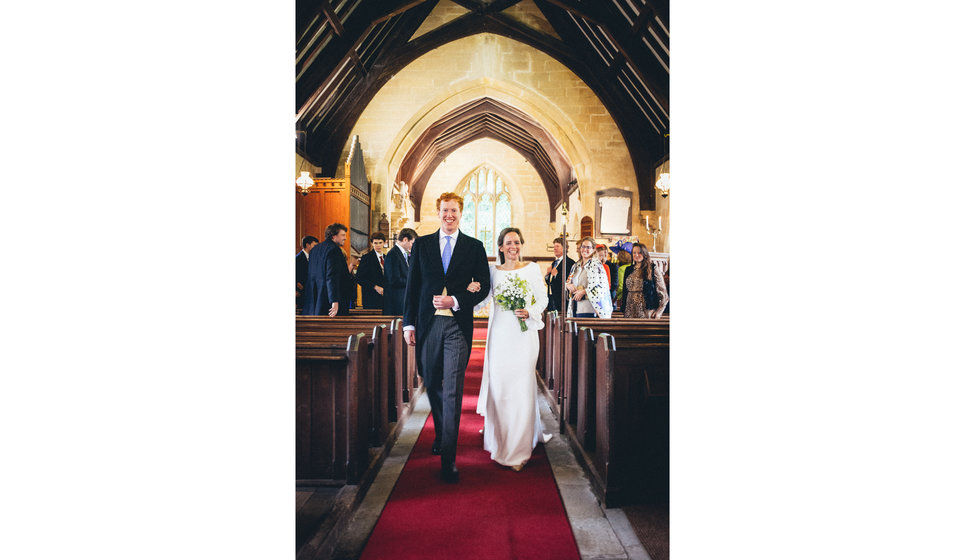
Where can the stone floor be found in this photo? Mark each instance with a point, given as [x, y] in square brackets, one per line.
[599, 533]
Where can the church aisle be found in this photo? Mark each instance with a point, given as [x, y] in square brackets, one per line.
[493, 512]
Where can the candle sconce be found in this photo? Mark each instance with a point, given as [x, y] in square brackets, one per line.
[653, 231]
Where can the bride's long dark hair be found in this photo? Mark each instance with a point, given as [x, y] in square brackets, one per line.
[500, 240]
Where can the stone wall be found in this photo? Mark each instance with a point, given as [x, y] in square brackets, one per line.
[488, 65]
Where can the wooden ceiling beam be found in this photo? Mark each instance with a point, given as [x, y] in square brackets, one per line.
[582, 9]
[646, 14]
[328, 146]
[500, 5]
[527, 35]
[403, 7]
[472, 5]
[661, 9]
[328, 62]
[332, 18]
[642, 141]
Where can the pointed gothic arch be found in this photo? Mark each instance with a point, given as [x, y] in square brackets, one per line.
[486, 118]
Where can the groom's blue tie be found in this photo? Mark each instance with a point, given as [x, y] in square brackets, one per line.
[447, 253]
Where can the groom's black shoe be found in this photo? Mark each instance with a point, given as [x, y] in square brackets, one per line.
[449, 473]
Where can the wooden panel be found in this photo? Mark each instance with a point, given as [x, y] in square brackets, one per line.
[570, 375]
[327, 203]
[321, 419]
[585, 418]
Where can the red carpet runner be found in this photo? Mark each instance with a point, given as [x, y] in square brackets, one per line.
[492, 513]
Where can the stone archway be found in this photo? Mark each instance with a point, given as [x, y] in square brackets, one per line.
[486, 118]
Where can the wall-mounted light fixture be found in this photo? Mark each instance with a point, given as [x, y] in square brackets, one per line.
[304, 182]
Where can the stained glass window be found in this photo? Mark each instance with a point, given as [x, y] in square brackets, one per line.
[486, 207]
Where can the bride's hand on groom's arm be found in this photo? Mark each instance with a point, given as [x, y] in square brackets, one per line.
[474, 287]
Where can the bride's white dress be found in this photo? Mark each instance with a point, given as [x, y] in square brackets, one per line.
[508, 391]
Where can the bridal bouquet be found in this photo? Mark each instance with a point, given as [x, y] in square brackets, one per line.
[512, 294]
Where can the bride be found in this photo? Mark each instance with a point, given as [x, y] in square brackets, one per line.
[508, 393]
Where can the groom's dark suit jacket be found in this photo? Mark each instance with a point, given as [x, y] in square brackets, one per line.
[426, 279]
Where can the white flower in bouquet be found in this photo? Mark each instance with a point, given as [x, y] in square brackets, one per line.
[512, 294]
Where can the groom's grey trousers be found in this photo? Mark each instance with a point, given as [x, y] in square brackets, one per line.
[444, 356]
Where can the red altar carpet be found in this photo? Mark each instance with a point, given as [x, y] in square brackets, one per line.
[492, 513]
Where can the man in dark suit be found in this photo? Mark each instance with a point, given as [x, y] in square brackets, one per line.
[303, 267]
[553, 276]
[371, 275]
[327, 283]
[439, 316]
[396, 272]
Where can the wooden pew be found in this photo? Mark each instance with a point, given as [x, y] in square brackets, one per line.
[379, 366]
[641, 374]
[332, 411]
[407, 381]
[360, 311]
[388, 390]
[378, 394]
[632, 450]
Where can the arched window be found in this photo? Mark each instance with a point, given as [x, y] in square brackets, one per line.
[486, 207]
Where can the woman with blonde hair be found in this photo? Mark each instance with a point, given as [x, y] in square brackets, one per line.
[588, 285]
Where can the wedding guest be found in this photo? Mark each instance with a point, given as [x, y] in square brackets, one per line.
[553, 276]
[638, 298]
[327, 281]
[601, 253]
[303, 267]
[396, 272]
[612, 270]
[588, 285]
[625, 261]
[371, 273]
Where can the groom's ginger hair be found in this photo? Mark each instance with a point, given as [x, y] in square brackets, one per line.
[447, 196]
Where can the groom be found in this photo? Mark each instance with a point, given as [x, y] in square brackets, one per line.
[439, 317]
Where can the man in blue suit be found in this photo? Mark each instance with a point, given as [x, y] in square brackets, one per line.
[439, 317]
[327, 285]
[396, 272]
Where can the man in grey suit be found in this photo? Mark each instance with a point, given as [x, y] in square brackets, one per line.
[439, 316]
